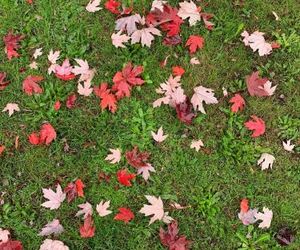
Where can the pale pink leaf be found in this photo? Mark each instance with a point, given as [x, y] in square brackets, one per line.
[158, 4]
[4, 235]
[53, 56]
[189, 10]
[288, 146]
[102, 208]
[145, 171]
[53, 227]
[128, 23]
[202, 94]
[54, 198]
[194, 61]
[38, 52]
[156, 209]
[145, 36]
[197, 145]
[265, 217]
[53, 245]
[93, 6]
[85, 89]
[159, 136]
[114, 157]
[118, 39]
[11, 108]
[86, 210]
[266, 161]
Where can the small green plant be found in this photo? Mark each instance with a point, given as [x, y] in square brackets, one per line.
[253, 241]
[289, 127]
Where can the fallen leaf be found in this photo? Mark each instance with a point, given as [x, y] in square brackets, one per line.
[4, 235]
[53, 227]
[255, 84]
[159, 136]
[114, 157]
[197, 145]
[87, 230]
[238, 103]
[202, 94]
[158, 4]
[125, 214]
[194, 61]
[57, 105]
[54, 198]
[285, 236]
[11, 42]
[172, 240]
[206, 17]
[11, 245]
[124, 177]
[37, 53]
[266, 161]
[31, 85]
[184, 111]
[11, 108]
[47, 134]
[33, 65]
[118, 39]
[93, 6]
[265, 217]
[64, 72]
[189, 10]
[53, 245]
[194, 43]
[3, 83]
[257, 125]
[112, 6]
[136, 158]
[156, 208]
[79, 187]
[288, 146]
[70, 102]
[86, 210]
[128, 23]
[85, 89]
[145, 171]
[102, 208]
[145, 36]
[178, 71]
[108, 100]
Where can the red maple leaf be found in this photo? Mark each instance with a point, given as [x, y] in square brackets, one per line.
[125, 214]
[29, 1]
[244, 206]
[255, 84]
[31, 85]
[70, 102]
[194, 43]
[79, 187]
[238, 103]
[87, 230]
[206, 17]
[168, 20]
[34, 138]
[47, 134]
[2, 148]
[71, 191]
[178, 71]
[137, 159]
[57, 105]
[123, 81]
[124, 177]
[11, 42]
[108, 100]
[185, 112]
[11, 245]
[112, 6]
[3, 83]
[257, 125]
[171, 239]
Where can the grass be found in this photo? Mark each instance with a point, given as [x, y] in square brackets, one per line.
[212, 181]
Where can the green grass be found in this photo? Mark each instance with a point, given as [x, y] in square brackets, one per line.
[212, 182]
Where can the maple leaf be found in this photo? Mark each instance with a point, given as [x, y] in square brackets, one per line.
[145, 36]
[189, 10]
[127, 78]
[11, 42]
[118, 39]
[288, 146]
[201, 95]
[248, 217]
[194, 43]
[70, 102]
[269, 89]
[57, 105]
[47, 134]
[31, 85]
[108, 100]
[71, 191]
[285, 236]
[86, 210]
[257, 42]
[255, 85]
[11, 245]
[244, 205]
[33, 65]
[124, 177]
[37, 53]
[266, 161]
[53, 227]
[114, 157]
[64, 72]
[102, 208]
[145, 171]
[125, 214]
[158, 4]
[85, 89]
[265, 217]
[194, 61]
[87, 230]
[79, 187]
[34, 139]
[54, 198]
[238, 103]
[159, 136]
[11, 108]
[93, 6]
[3, 83]
[156, 208]
[184, 112]
[128, 23]
[4, 235]
[197, 144]
[137, 159]
[206, 17]
[178, 71]
[112, 6]
[53, 244]
[257, 125]
[53, 56]
[172, 240]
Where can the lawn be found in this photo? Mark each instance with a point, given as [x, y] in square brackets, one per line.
[210, 183]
